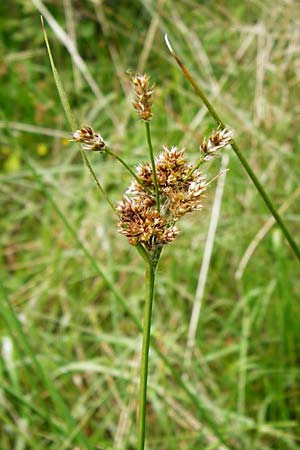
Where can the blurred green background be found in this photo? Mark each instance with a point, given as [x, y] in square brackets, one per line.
[243, 368]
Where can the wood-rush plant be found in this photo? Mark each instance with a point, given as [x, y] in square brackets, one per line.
[162, 192]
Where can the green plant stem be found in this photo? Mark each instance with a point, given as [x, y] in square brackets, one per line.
[88, 164]
[14, 326]
[196, 166]
[69, 114]
[42, 414]
[239, 154]
[153, 165]
[194, 397]
[267, 201]
[128, 168]
[150, 278]
[143, 252]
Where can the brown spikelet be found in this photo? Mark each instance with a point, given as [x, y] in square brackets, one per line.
[218, 139]
[139, 219]
[141, 223]
[143, 96]
[90, 140]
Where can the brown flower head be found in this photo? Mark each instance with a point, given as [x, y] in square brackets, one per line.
[188, 195]
[90, 140]
[180, 192]
[143, 96]
[141, 223]
[170, 169]
[218, 139]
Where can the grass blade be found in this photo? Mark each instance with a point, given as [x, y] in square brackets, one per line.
[16, 330]
[238, 152]
[69, 114]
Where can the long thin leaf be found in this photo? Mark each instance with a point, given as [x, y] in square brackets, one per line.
[69, 114]
[16, 331]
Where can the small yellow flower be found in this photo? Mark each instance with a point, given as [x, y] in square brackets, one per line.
[65, 142]
[42, 149]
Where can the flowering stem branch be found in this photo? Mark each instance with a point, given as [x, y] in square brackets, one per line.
[197, 165]
[87, 162]
[144, 254]
[128, 168]
[238, 152]
[150, 278]
[153, 165]
[69, 114]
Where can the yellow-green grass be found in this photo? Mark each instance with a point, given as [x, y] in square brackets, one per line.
[241, 384]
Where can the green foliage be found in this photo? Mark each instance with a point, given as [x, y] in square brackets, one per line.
[244, 368]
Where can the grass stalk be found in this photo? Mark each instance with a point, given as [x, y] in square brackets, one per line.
[196, 166]
[150, 279]
[238, 152]
[42, 414]
[152, 165]
[16, 331]
[121, 301]
[69, 114]
[151, 265]
[128, 168]
[99, 185]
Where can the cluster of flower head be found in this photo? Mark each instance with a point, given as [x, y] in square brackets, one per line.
[180, 192]
[217, 140]
[143, 96]
[90, 140]
[180, 185]
[154, 202]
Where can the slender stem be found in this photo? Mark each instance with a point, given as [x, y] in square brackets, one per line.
[143, 252]
[155, 257]
[153, 165]
[88, 164]
[128, 168]
[150, 277]
[69, 114]
[192, 395]
[267, 201]
[238, 152]
[196, 166]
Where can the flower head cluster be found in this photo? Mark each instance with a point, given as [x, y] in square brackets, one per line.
[180, 192]
[141, 223]
[143, 96]
[218, 139]
[91, 141]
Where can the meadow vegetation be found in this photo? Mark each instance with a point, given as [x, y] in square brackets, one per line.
[70, 342]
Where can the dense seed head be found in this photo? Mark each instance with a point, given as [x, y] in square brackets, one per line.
[90, 140]
[143, 96]
[218, 139]
[139, 219]
[141, 223]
